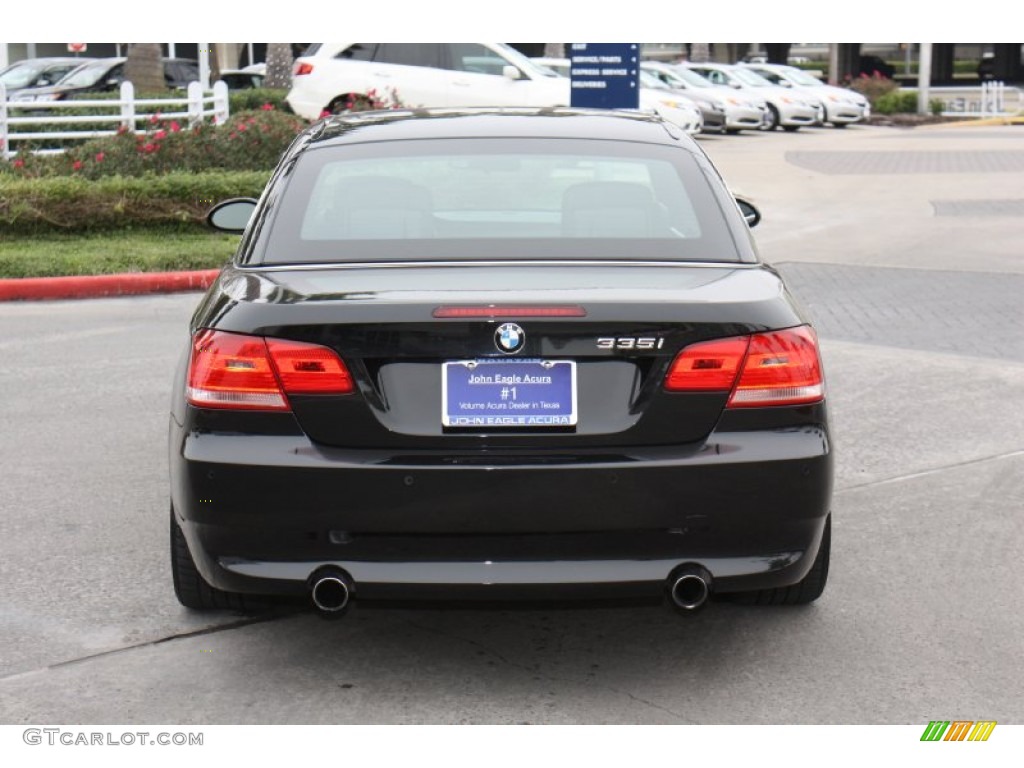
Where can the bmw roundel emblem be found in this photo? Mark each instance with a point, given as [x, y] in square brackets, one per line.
[509, 338]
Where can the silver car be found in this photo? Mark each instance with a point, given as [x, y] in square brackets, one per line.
[711, 105]
[787, 108]
[842, 106]
[743, 111]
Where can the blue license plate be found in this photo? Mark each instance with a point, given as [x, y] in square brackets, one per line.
[508, 393]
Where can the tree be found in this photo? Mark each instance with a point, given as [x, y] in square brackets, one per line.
[279, 66]
[144, 68]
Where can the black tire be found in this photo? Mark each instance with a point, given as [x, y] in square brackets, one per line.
[791, 128]
[839, 125]
[805, 591]
[774, 123]
[191, 589]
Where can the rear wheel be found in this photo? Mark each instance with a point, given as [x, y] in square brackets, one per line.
[791, 128]
[191, 589]
[805, 591]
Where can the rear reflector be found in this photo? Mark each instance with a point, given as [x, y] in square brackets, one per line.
[782, 368]
[231, 370]
[777, 368]
[303, 68]
[509, 311]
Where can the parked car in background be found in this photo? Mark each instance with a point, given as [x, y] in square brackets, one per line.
[743, 111]
[330, 76]
[712, 105]
[101, 75]
[497, 354]
[676, 108]
[37, 73]
[240, 79]
[712, 111]
[842, 106]
[786, 108]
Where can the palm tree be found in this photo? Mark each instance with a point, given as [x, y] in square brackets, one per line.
[144, 67]
[279, 66]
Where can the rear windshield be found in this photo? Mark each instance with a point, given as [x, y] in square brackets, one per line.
[486, 199]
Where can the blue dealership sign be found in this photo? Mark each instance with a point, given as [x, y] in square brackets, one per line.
[605, 75]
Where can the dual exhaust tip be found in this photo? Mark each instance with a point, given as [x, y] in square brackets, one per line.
[689, 587]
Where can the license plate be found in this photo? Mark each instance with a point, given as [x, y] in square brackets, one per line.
[508, 393]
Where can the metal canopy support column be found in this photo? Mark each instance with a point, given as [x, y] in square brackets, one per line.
[924, 78]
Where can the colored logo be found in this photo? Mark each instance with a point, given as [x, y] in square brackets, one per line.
[510, 338]
[958, 730]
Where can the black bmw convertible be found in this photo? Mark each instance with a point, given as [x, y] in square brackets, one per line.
[498, 354]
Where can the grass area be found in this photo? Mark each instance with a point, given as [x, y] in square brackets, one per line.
[112, 252]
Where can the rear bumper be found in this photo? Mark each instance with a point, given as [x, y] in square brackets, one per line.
[262, 513]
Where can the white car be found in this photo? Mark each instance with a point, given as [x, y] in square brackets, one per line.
[330, 76]
[672, 107]
[842, 105]
[788, 107]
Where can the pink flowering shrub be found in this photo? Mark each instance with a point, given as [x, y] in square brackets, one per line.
[248, 141]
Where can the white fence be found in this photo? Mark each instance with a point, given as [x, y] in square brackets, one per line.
[195, 107]
[991, 99]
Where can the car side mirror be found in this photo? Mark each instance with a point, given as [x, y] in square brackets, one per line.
[511, 72]
[750, 212]
[231, 215]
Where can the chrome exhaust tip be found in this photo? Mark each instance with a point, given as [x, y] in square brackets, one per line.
[689, 587]
[331, 591]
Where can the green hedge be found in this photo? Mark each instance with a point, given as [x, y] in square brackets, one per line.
[256, 98]
[70, 203]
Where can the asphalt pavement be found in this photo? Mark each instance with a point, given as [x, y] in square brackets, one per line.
[904, 246]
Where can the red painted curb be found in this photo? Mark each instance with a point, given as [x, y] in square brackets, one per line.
[96, 286]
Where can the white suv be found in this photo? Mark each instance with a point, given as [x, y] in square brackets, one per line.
[330, 76]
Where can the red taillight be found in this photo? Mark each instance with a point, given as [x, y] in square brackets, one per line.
[303, 68]
[231, 370]
[309, 369]
[708, 366]
[777, 368]
[510, 311]
[782, 368]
